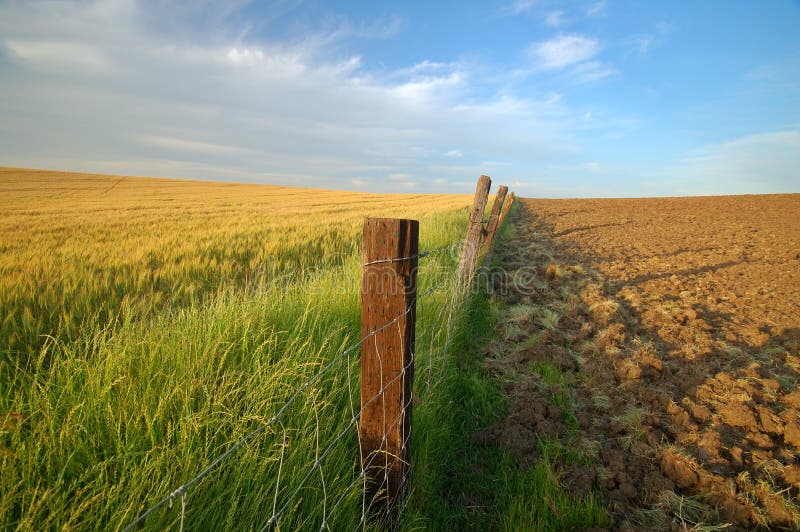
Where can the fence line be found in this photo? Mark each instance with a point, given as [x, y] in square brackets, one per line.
[181, 490]
[353, 421]
[367, 464]
[417, 256]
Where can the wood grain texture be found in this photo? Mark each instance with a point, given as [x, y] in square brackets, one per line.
[494, 216]
[507, 207]
[472, 242]
[387, 372]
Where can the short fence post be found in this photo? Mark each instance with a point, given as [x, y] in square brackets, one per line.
[494, 217]
[472, 242]
[506, 208]
[388, 292]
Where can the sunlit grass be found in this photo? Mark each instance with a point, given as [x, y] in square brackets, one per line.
[149, 324]
[80, 248]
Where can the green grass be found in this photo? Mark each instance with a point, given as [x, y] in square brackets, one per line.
[463, 485]
[99, 424]
[86, 248]
[122, 418]
[536, 501]
[117, 391]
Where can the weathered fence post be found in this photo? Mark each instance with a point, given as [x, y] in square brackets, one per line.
[388, 290]
[506, 208]
[494, 217]
[472, 242]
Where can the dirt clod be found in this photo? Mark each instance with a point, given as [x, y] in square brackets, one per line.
[678, 469]
[791, 434]
[677, 346]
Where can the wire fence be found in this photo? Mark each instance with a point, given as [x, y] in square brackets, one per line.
[290, 486]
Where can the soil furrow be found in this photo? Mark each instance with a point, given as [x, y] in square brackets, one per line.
[651, 352]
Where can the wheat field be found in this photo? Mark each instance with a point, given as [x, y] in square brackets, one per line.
[149, 323]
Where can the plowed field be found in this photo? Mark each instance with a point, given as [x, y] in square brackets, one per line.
[658, 343]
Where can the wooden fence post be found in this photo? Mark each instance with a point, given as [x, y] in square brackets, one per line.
[388, 290]
[506, 208]
[494, 217]
[472, 242]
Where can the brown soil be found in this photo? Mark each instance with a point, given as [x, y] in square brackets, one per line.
[675, 324]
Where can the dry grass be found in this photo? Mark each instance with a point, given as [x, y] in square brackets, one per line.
[144, 331]
[78, 247]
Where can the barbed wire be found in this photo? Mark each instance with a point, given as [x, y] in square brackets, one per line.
[353, 422]
[320, 456]
[427, 253]
[182, 490]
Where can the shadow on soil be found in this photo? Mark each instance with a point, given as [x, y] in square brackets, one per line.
[588, 228]
[673, 419]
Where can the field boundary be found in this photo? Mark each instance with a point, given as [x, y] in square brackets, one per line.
[383, 421]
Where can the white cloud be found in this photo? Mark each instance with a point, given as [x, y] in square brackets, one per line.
[573, 54]
[591, 71]
[190, 92]
[59, 53]
[423, 90]
[666, 26]
[180, 144]
[565, 50]
[521, 6]
[596, 9]
[642, 43]
[554, 98]
[245, 56]
[592, 167]
[755, 164]
[554, 19]
[428, 66]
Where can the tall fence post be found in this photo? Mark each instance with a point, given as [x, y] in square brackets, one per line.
[494, 217]
[472, 242]
[506, 208]
[388, 290]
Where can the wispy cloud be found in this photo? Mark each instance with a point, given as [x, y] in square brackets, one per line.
[521, 6]
[62, 54]
[193, 90]
[641, 43]
[187, 145]
[596, 9]
[107, 89]
[565, 50]
[554, 19]
[573, 57]
[422, 90]
[591, 71]
[760, 163]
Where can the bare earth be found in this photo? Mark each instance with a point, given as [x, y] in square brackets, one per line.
[676, 325]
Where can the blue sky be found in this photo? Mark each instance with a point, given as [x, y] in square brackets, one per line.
[555, 99]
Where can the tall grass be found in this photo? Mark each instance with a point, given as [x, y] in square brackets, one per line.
[83, 248]
[152, 343]
[461, 484]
